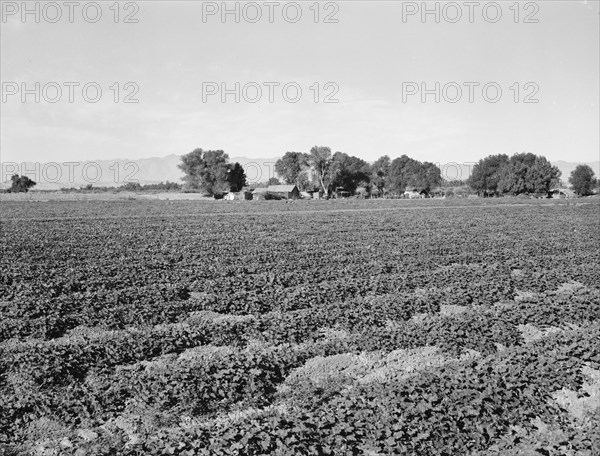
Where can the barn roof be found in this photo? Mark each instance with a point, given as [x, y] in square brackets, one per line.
[281, 188]
[566, 191]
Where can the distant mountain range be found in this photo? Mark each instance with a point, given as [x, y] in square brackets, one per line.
[112, 173]
[116, 172]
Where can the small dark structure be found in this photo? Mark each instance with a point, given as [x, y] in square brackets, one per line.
[236, 196]
[341, 192]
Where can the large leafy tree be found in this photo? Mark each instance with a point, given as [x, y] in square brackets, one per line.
[542, 176]
[206, 170]
[193, 166]
[320, 161]
[486, 174]
[291, 166]
[527, 173]
[406, 172]
[20, 184]
[348, 172]
[236, 177]
[425, 177]
[582, 180]
[401, 170]
[513, 176]
[379, 172]
[303, 182]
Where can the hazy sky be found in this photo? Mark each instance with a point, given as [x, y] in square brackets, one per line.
[372, 57]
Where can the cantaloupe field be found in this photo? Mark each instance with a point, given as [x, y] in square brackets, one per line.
[432, 327]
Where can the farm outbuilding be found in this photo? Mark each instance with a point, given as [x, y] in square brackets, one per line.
[562, 193]
[259, 193]
[412, 194]
[287, 191]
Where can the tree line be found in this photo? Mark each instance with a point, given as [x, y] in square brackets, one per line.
[211, 172]
[319, 170]
[525, 173]
[324, 171]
